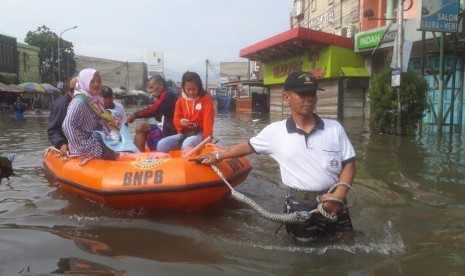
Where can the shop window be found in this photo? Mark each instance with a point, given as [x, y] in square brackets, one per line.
[414, 64]
[25, 62]
[448, 63]
[298, 7]
[312, 5]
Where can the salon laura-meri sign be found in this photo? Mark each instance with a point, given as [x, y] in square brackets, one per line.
[440, 16]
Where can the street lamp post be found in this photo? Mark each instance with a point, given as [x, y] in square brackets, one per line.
[59, 54]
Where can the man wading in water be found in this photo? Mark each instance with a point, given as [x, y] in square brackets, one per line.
[314, 156]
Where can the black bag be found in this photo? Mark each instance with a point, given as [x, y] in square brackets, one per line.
[6, 167]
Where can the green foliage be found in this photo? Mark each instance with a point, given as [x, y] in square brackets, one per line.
[383, 102]
[170, 83]
[48, 55]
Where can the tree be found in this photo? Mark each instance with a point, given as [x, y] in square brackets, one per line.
[383, 99]
[47, 41]
[170, 83]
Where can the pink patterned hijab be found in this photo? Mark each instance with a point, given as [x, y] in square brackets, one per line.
[83, 85]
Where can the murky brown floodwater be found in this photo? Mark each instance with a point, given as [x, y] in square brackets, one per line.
[409, 215]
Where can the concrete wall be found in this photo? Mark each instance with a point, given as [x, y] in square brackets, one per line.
[116, 74]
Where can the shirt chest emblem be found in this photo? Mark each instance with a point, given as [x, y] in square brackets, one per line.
[334, 163]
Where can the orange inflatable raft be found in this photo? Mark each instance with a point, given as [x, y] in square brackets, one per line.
[147, 180]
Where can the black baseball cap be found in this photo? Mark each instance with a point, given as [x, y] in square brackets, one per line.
[301, 82]
[107, 92]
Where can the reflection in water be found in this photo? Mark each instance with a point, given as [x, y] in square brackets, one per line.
[432, 173]
[408, 212]
[79, 266]
[126, 242]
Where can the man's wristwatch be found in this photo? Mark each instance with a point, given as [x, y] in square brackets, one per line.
[217, 156]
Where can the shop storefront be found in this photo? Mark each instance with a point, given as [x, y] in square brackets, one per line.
[325, 56]
[376, 46]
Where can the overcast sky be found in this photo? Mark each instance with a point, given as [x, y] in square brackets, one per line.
[187, 31]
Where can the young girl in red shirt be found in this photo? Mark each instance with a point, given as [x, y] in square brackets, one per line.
[193, 116]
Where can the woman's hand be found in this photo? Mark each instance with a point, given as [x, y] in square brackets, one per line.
[64, 150]
[187, 123]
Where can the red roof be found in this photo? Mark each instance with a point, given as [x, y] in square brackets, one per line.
[292, 42]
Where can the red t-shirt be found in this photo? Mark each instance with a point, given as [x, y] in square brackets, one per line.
[200, 111]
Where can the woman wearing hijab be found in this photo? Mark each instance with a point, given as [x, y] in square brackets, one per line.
[84, 117]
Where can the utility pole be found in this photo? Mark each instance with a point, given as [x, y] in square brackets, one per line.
[59, 56]
[206, 75]
[399, 45]
[127, 76]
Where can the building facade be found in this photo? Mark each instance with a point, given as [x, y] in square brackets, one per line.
[28, 61]
[438, 56]
[330, 58]
[320, 41]
[155, 64]
[231, 76]
[339, 17]
[8, 59]
[116, 74]
[371, 26]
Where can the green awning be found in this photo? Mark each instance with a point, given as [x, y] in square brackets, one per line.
[354, 72]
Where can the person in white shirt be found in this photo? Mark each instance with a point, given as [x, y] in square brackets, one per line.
[117, 139]
[314, 155]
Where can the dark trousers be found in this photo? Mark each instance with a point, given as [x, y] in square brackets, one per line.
[107, 154]
[318, 227]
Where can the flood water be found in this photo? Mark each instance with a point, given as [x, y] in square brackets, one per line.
[409, 213]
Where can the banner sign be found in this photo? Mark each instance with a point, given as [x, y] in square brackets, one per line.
[440, 16]
[395, 77]
[371, 39]
[406, 51]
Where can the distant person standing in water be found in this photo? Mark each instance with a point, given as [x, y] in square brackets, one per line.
[19, 107]
[37, 106]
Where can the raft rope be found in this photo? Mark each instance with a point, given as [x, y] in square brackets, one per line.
[295, 217]
[66, 157]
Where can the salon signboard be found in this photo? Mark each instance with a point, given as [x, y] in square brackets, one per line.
[440, 16]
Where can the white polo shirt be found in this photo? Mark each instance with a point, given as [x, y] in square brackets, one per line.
[310, 162]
